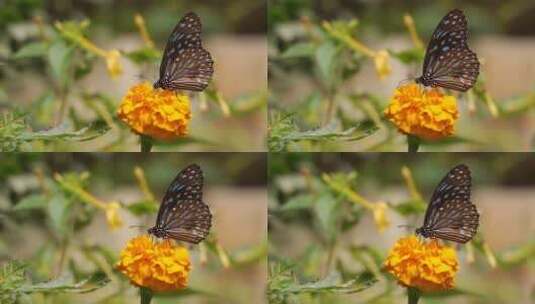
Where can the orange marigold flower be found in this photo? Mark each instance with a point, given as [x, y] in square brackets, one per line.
[157, 266]
[426, 266]
[426, 114]
[157, 113]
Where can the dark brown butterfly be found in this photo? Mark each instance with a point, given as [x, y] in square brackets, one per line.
[450, 214]
[186, 65]
[183, 215]
[449, 63]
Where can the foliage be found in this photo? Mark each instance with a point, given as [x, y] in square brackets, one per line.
[318, 64]
[322, 241]
[59, 107]
[61, 207]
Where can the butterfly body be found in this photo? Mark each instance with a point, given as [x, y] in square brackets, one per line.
[451, 215]
[185, 65]
[183, 216]
[449, 62]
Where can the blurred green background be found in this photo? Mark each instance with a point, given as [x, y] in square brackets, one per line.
[325, 248]
[64, 239]
[40, 70]
[325, 96]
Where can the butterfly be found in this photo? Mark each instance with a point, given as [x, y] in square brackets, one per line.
[448, 62]
[185, 65]
[450, 214]
[183, 216]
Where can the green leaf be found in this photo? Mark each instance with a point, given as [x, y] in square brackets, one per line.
[58, 209]
[325, 59]
[31, 50]
[299, 202]
[325, 208]
[410, 207]
[144, 55]
[298, 50]
[34, 201]
[59, 58]
[143, 207]
[409, 56]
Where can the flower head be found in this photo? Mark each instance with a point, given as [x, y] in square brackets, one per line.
[427, 114]
[157, 266]
[426, 266]
[157, 113]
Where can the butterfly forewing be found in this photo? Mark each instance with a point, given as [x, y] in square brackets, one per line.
[186, 185]
[185, 65]
[183, 215]
[448, 62]
[450, 214]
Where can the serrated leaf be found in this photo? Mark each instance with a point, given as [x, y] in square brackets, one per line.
[34, 201]
[67, 284]
[31, 50]
[62, 132]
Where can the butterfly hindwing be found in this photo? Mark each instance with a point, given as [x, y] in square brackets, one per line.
[185, 65]
[191, 222]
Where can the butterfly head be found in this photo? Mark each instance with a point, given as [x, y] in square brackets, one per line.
[160, 84]
[425, 232]
[157, 232]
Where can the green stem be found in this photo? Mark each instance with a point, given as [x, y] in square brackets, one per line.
[146, 143]
[146, 295]
[414, 295]
[413, 142]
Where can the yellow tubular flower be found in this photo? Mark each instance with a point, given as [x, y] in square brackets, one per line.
[157, 266]
[115, 69]
[426, 114]
[112, 215]
[382, 64]
[379, 215]
[156, 113]
[426, 266]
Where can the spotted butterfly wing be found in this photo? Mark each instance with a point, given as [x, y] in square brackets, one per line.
[183, 215]
[185, 65]
[448, 62]
[450, 214]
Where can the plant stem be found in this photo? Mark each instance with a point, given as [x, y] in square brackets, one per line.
[146, 295]
[414, 295]
[146, 143]
[413, 142]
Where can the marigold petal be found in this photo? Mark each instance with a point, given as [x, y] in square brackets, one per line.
[156, 113]
[158, 266]
[426, 114]
[426, 266]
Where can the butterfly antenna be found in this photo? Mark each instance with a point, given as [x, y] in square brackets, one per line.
[404, 81]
